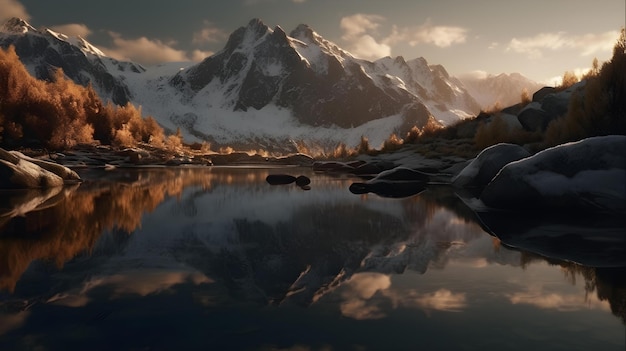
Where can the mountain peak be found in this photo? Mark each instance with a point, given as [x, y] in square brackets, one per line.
[303, 31]
[16, 25]
[256, 25]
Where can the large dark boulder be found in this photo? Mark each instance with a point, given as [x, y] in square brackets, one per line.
[555, 105]
[588, 176]
[542, 93]
[534, 117]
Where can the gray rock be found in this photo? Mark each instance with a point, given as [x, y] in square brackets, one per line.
[18, 171]
[589, 175]
[556, 105]
[542, 93]
[533, 117]
[67, 174]
[402, 174]
[480, 171]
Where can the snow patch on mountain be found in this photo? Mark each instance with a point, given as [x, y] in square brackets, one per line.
[264, 88]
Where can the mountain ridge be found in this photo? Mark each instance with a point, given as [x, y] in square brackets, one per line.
[265, 88]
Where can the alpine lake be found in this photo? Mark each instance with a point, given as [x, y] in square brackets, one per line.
[216, 258]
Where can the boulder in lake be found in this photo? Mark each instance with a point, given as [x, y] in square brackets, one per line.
[402, 174]
[280, 179]
[331, 166]
[373, 168]
[67, 174]
[397, 182]
[17, 173]
[390, 189]
[302, 181]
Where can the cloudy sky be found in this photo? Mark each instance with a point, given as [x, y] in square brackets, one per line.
[538, 38]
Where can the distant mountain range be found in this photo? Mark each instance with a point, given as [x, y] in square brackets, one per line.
[503, 89]
[264, 89]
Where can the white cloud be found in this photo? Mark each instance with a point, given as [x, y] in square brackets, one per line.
[357, 32]
[442, 300]
[427, 33]
[360, 31]
[12, 8]
[367, 47]
[533, 46]
[199, 55]
[588, 44]
[370, 295]
[358, 296]
[208, 34]
[359, 24]
[73, 29]
[538, 297]
[591, 44]
[144, 50]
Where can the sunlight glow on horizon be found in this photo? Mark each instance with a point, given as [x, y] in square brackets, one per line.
[461, 38]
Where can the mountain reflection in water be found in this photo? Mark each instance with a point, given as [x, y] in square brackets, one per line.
[193, 258]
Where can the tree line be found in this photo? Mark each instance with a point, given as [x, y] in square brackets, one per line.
[60, 114]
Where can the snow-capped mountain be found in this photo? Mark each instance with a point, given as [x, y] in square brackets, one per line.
[43, 51]
[503, 89]
[265, 89]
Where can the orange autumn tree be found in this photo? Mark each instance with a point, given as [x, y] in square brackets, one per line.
[61, 114]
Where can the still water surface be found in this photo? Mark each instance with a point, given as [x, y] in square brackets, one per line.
[217, 259]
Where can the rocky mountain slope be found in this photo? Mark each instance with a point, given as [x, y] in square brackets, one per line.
[265, 89]
[43, 51]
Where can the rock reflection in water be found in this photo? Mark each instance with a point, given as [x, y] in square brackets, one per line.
[597, 240]
[197, 242]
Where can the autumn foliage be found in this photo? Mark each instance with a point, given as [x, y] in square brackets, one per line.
[61, 114]
[599, 109]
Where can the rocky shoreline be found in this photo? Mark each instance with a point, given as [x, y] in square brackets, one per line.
[588, 175]
[518, 197]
